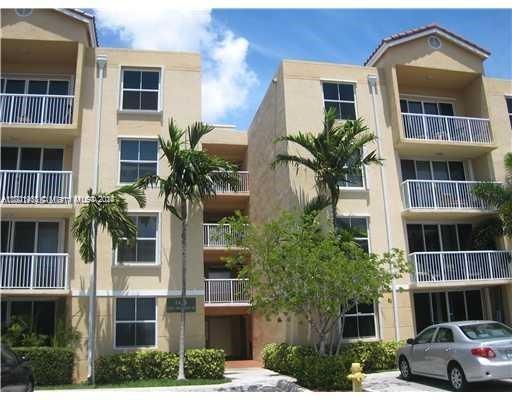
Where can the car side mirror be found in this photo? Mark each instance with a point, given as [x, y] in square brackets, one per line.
[410, 341]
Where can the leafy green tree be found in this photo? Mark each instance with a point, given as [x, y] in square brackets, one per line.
[334, 155]
[293, 266]
[500, 196]
[194, 176]
[108, 211]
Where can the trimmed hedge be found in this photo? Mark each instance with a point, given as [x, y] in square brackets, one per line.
[155, 364]
[328, 372]
[50, 365]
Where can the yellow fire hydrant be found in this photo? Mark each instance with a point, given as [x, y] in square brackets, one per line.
[356, 376]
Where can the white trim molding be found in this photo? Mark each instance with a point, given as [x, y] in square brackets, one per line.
[137, 293]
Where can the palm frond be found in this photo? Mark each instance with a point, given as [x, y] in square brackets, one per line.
[196, 131]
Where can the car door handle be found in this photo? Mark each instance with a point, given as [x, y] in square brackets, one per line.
[448, 349]
[428, 348]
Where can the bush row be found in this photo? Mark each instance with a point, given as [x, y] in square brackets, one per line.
[328, 372]
[50, 365]
[154, 364]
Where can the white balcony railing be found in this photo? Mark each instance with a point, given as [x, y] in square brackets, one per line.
[230, 291]
[242, 187]
[448, 266]
[216, 235]
[446, 128]
[441, 195]
[36, 109]
[35, 186]
[33, 270]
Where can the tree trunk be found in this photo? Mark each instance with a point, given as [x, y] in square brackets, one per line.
[334, 204]
[184, 223]
[91, 343]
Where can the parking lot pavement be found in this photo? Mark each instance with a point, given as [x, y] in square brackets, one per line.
[391, 382]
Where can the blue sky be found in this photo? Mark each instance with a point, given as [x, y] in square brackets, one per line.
[256, 40]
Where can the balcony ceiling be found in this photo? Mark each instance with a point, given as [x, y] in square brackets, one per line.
[432, 78]
[29, 52]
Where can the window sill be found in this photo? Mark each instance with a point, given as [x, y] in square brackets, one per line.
[135, 348]
[135, 265]
[353, 189]
[140, 112]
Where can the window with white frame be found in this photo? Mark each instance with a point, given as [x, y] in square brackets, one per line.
[355, 179]
[431, 107]
[359, 322]
[341, 98]
[145, 247]
[509, 108]
[138, 158]
[359, 227]
[135, 322]
[140, 89]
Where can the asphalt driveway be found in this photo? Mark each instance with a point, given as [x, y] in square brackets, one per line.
[391, 382]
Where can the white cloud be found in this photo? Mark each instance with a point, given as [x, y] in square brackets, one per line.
[227, 79]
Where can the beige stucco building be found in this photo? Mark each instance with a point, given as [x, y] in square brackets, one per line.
[442, 125]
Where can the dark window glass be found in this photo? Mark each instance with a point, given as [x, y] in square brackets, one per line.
[350, 327]
[131, 100]
[403, 106]
[432, 238]
[146, 250]
[146, 169]
[148, 150]
[129, 172]
[346, 92]
[330, 91]
[474, 303]
[22, 310]
[457, 308]
[360, 225]
[143, 250]
[465, 237]
[440, 313]
[430, 108]
[149, 101]
[129, 149]
[15, 86]
[422, 311]
[440, 169]
[408, 171]
[415, 238]
[348, 111]
[426, 337]
[59, 88]
[150, 80]
[126, 252]
[24, 237]
[449, 238]
[37, 87]
[125, 309]
[145, 309]
[47, 237]
[125, 334]
[414, 107]
[365, 308]
[52, 159]
[446, 109]
[146, 227]
[329, 104]
[456, 171]
[30, 158]
[366, 326]
[44, 318]
[4, 235]
[444, 335]
[137, 151]
[131, 79]
[423, 170]
[9, 158]
[509, 105]
[145, 334]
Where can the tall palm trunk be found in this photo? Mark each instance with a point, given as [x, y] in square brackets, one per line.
[92, 309]
[184, 223]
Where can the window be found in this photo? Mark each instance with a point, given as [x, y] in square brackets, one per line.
[444, 335]
[31, 236]
[354, 180]
[433, 170]
[360, 322]
[135, 322]
[442, 237]
[138, 158]
[144, 249]
[425, 337]
[426, 107]
[140, 90]
[509, 108]
[487, 331]
[341, 97]
[359, 225]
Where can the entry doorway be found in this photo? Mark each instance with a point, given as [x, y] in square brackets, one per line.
[230, 333]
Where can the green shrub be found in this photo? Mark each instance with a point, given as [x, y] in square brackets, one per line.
[328, 372]
[154, 364]
[51, 365]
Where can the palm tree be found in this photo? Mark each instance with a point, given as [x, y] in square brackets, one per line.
[194, 176]
[108, 211]
[335, 154]
[500, 196]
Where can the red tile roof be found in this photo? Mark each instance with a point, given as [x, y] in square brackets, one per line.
[415, 31]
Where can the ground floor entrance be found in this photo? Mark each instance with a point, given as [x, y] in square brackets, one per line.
[232, 333]
[447, 305]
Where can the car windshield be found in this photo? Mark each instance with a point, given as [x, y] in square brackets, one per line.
[487, 331]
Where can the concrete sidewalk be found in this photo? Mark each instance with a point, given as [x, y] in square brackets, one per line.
[391, 382]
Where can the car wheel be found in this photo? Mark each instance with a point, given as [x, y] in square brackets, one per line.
[457, 378]
[30, 386]
[405, 369]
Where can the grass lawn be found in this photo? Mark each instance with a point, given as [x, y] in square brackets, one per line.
[137, 384]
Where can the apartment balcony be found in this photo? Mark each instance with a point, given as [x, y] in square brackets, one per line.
[446, 128]
[35, 187]
[220, 292]
[42, 271]
[444, 196]
[462, 267]
[241, 188]
[35, 109]
[216, 235]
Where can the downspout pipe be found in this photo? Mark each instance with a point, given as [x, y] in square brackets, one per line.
[372, 82]
[101, 63]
